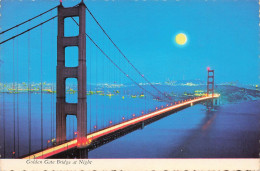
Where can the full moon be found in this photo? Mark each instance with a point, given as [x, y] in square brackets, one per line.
[181, 39]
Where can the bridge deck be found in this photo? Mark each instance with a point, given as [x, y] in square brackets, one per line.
[90, 137]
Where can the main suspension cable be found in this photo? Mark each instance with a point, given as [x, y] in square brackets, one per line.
[116, 64]
[28, 30]
[28, 20]
[124, 54]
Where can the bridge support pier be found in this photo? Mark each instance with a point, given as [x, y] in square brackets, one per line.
[216, 102]
[210, 83]
[210, 104]
[83, 153]
[62, 107]
[210, 89]
[142, 125]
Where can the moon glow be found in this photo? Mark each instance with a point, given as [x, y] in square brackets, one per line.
[181, 39]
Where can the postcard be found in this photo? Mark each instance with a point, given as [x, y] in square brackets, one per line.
[129, 85]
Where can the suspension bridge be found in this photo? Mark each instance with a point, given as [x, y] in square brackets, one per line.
[90, 72]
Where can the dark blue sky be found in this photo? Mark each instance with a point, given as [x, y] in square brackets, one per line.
[222, 34]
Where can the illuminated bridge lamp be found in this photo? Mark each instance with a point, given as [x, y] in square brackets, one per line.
[78, 142]
[133, 115]
[48, 143]
[75, 133]
[95, 127]
[166, 104]
[82, 140]
[208, 68]
[123, 118]
[13, 152]
[110, 122]
[156, 108]
[142, 112]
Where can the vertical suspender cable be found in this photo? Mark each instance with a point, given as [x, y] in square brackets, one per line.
[52, 35]
[29, 95]
[90, 91]
[41, 98]
[103, 104]
[95, 71]
[53, 111]
[91, 88]
[13, 101]
[50, 138]
[86, 98]
[69, 120]
[103, 111]
[17, 104]
[52, 89]
[73, 128]
[96, 89]
[3, 108]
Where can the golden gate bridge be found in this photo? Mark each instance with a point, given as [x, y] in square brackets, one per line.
[93, 129]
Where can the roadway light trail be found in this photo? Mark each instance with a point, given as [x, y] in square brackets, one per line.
[91, 137]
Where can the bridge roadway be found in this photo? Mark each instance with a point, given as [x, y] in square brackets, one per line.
[94, 136]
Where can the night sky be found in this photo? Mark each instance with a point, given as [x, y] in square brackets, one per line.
[221, 34]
